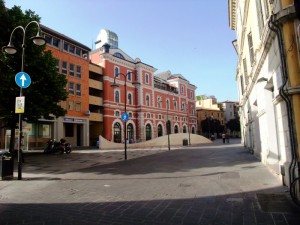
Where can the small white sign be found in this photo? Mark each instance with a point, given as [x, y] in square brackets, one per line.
[20, 104]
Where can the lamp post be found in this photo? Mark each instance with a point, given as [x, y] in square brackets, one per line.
[10, 49]
[125, 115]
[188, 122]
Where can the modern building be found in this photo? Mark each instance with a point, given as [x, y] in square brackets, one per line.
[157, 99]
[268, 81]
[95, 102]
[73, 62]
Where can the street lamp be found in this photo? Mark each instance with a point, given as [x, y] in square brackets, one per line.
[125, 116]
[10, 49]
[168, 125]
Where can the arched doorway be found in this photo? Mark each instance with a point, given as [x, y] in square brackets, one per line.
[117, 133]
[148, 132]
[176, 129]
[130, 133]
[193, 130]
[159, 130]
[184, 129]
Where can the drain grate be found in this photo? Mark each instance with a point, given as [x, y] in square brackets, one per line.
[275, 203]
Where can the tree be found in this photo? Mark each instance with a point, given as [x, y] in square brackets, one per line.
[47, 87]
[234, 125]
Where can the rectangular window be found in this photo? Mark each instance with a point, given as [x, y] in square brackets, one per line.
[78, 51]
[57, 65]
[66, 46]
[64, 67]
[71, 88]
[55, 42]
[78, 89]
[48, 39]
[245, 71]
[71, 49]
[251, 50]
[71, 105]
[78, 71]
[78, 106]
[71, 70]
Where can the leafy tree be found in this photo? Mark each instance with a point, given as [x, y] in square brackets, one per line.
[234, 125]
[47, 87]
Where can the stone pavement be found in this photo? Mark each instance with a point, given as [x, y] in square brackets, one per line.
[208, 184]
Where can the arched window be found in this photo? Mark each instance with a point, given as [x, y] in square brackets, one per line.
[116, 71]
[117, 133]
[159, 130]
[175, 105]
[130, 133]
[147, 100]
[129, 99]
[176, 129]
[117, 113]
[117, 96]
[184, 129]
[147, 78]
[168, 104]
[148, 132]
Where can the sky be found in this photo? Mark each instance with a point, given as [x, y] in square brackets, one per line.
[190, 37]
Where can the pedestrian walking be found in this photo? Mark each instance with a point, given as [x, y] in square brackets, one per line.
[223, 137]
[227, 137]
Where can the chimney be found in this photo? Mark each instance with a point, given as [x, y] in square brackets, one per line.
[106, 48]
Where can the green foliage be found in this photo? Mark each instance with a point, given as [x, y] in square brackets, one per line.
[47, 87]
[234, 125]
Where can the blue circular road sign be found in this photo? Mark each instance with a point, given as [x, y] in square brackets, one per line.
[23, 80]
[124, 117]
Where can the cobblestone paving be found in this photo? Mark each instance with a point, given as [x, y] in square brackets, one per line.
[212, 184]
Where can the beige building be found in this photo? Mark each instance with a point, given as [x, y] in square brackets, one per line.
[268, 79]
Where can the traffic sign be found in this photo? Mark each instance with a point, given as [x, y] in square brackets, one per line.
[23, 80]
[124, 117]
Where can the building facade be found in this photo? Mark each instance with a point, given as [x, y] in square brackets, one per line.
[268, 82]
[72, 61]
[157, 99]
[210, 117]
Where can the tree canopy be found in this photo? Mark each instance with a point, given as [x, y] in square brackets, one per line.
[47, 87]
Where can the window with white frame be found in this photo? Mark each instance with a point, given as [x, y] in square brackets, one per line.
[71, 88]
[116, 71]
[129, 75]
[148, 115]
[71, 69]
[147, 100]
[129, 99]
[117, 113]
[78, 71]
[147, 78]
[117, 96]
[130, 115]
[78, 89]
[64, 69]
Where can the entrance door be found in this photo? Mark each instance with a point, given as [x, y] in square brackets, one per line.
[148, 132]
[117, 133]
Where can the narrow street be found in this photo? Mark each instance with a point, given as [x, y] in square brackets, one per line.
[209, 184]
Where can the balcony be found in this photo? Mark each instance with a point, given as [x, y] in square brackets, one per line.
[96, 84]
[93, 100]
[96, 117]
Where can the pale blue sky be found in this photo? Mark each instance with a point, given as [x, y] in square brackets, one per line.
[188, 37]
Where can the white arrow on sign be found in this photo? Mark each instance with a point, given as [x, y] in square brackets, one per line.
[23, 78]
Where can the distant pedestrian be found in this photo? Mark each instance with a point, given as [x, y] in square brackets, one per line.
[223, 137]
[227, 137]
